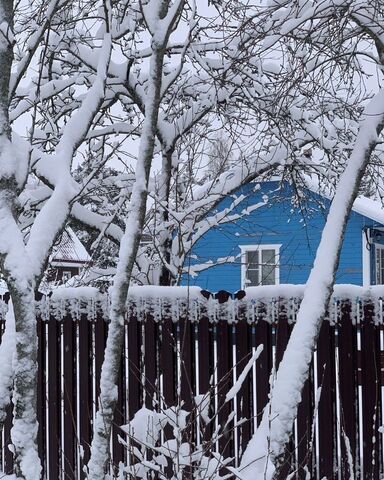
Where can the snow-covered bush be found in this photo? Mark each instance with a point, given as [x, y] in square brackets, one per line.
[161, 443]
[176, 443]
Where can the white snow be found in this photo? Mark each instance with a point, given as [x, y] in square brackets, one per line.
[236, 387]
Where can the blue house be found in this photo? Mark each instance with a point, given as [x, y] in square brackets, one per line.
[277, 241]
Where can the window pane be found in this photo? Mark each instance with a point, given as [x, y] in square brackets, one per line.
[260, 267]
[379, 266]
[268, 256]
[252, 259]
[268, 275]
[252, 278]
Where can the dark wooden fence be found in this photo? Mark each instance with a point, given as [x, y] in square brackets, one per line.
[176, 350]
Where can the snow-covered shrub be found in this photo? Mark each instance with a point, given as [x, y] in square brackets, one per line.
[174, 443]
[160, 444]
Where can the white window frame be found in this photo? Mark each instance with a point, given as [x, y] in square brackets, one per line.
[259, 247]
[366, 260]
[378, 246]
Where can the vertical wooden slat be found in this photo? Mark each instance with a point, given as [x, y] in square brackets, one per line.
[187, 387]
[347, 348]
[224, 377]
[304, 429]
[168, 362]
[243, 355]
[205, 368]
[54, 397]
[187, 377]
[85, 388]
[326, 410]
[264, 362]
[370, 393]
[69, 396]
[150, 387]
[41, 394]
[134, 373]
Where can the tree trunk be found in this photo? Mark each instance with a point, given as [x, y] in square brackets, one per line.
[25, 426]
[165, 241]
[7, 350]
[15, 267]
[100, 448]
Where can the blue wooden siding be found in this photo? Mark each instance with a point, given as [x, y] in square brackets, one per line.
[280, 221]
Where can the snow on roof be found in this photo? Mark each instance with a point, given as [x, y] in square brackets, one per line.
[70, 249]
[362, 205]
[369, 208]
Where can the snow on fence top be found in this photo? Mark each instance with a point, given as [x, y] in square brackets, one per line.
[268, 303]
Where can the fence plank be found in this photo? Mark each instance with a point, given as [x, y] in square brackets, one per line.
[243, 355]
[168, 362]
[167, 356]
[54, 397]
[150, 383]
[326, 410]
[347, 347]
[224, 378]
[263, 364]
[370, 394]
[186, 364]
[205, 369]
[69, 397]
[134, 367]
[187, 385]
[85, 373]
[304, 430]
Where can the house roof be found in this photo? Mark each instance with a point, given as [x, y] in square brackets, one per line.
[70, 249]
[365, 206]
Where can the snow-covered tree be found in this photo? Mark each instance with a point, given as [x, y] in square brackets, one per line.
[27, 238]
[332, 37]
[114, 101]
